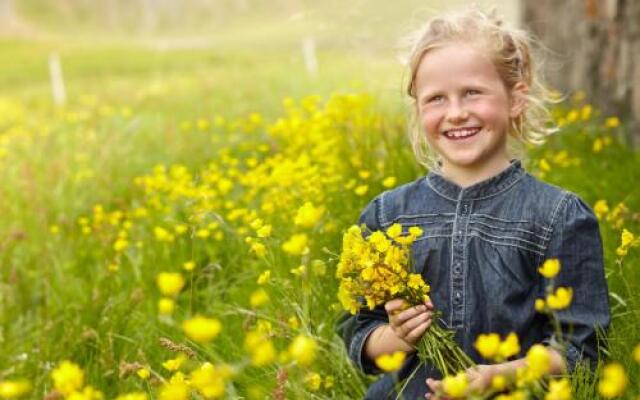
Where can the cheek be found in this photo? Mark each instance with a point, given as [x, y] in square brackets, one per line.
[493, 112]
[429, 124]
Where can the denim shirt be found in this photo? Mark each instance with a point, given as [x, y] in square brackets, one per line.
[480, 252]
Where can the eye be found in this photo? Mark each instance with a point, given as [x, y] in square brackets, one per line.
[435, 99]
[472, 92]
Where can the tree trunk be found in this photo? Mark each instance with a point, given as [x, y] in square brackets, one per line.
[595, 47]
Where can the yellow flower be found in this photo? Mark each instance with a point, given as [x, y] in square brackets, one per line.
[627, 239]
[189, 265]
[598, 144]
[264, 277]
[560, 299]
[181, 229]
[550, 268]
[544, 165]
[559, 390]
[361, 190]
[259, 249]
[308, 215]
[391, 362]
[636, 353]
[170, 283]
[201, 329]
[175, 363]
[144, 373]
[14, 389]
[601, 209]
[380, 241]
[133, 396]
[162, 235]
[313, 380]
[612, 122]
[301, 270]
[203, 233]
[67, 377]
[389, 182]
[540, 305]
[394, 231]
[260, 348]
[209, 380]
[296, 245]
[510, 346]
[256, 224]
[303, 350]
[538, 360]
[415, 281]
[415, 231]
[293, 322]
[264, 232]
[613, 381]
[498, 383]
[488, 345]
[87, 393]
[120, 245]
[328, 382]
[174, 390]
[166, 306]
[455, 386]
[258, 298]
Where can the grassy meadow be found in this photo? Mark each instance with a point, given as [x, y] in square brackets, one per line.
[181, 182]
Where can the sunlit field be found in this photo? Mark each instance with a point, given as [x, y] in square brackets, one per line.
[174, 229]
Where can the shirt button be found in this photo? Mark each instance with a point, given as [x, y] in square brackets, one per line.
[456, 269]
[457, 297]
[465, 208]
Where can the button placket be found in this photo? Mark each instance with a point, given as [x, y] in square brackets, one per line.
[457, 275]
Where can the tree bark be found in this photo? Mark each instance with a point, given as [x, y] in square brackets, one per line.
[595, 47]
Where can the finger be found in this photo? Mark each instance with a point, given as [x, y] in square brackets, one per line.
[417, 320]
[410, 313]
[433, 384]
[394, 305]
[429, 304]
[418, 331]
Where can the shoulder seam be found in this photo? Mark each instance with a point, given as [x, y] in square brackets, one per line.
[554, 215]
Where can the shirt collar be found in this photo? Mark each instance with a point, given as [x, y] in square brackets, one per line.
[486, 188]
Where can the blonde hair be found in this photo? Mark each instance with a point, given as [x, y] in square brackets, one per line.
[511, 52]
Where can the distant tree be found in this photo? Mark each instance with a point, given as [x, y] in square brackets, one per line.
[595, 47]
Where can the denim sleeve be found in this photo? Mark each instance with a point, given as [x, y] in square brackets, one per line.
[577, 244]
[355, 329]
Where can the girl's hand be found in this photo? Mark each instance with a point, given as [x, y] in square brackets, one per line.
[479, 378]
[409, 324]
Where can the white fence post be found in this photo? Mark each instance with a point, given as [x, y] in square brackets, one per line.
[309, 53]
[57, 82]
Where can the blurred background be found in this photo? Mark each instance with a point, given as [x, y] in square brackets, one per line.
[590, 44]
[267, 49]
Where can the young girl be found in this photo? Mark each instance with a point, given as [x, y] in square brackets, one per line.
[488, 225]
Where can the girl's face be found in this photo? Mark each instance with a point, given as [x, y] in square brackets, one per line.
[464, 108]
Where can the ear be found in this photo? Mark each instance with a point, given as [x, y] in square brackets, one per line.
[518, 99]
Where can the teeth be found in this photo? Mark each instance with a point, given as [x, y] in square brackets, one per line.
[461, 132]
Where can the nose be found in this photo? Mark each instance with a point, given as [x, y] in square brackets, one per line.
[456, 112]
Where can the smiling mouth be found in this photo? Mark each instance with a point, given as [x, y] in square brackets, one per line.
[461, 133]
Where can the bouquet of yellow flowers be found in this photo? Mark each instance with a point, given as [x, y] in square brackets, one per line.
[377, 269]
